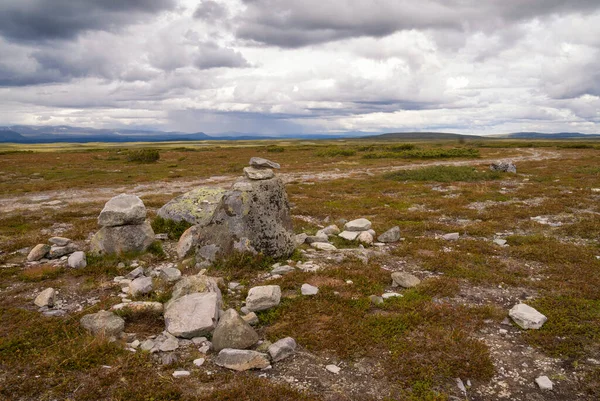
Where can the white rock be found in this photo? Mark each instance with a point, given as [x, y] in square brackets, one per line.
[544, 383]
[199, 362]
[170, 344]
[170, 274]
[77, 260]
[331, 230]
[527, 317]
[181, 373]
[263, 297]
[139, 306]
[499, 241]
[333, 369]
[323, 246]
[140, 286]
[285, 269]
[282, 349]
[38, 252]
[308, 289]
[390, 295]
[135, 273]
[299, 239]
[45, 298]
[192, 315]
[251, 318]
[451, 236]
[358, 225]
[365, 237]
[147, 345]
[349, 235]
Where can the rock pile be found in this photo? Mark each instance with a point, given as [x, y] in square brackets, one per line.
[124, 227]
[358, 230]
[505, 167]
[57, 247]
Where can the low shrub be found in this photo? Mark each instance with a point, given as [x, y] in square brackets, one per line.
[143, 155]
[173, 228]
[443, 174]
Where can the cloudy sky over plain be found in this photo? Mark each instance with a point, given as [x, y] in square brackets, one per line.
[310, 66]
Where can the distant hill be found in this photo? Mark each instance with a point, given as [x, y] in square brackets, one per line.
[7, 135]
[416, 136]
[558, 135]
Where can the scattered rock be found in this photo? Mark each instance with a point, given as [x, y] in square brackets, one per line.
[103, 323]
[391, 235]
[349, 235]
[192, 315]
[140, 286]
[333, 369]
[544, 383]
[123, 210]
[135, 273]
[170, 344]
[199, 362]
[181, 373]
[258, 174]
[282, 349]
[250, 318]
[358, 225]
[240, 360]
[499, 241]
[308, 289]
[38, 252]
[45, 298]
[139, 307]
[233, 332]
[196, 206]
[527, 317]
[259, 162]
[168, 358]
[405, 280]
[285, 269]
[451, 236]
[263, 297]
[311, 239]
[198, 283]
[390, 295]
[323, 246]
[169, 274]
[77, 260]
[365, 237]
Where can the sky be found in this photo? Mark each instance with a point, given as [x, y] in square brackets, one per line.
[311, 66]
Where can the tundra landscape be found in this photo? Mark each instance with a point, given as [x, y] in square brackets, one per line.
[358, 270]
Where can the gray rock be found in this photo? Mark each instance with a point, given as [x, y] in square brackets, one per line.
[186, 243]
[299, 239]
[122, 239]
[505, 167]
[365, 237]
[38, 252]
[196, 206]
[135, 273]
[311, 239]
[60, 251]
[59, 241]
[140, 286]
[240, 360]
[169, 274]
[263, 297]
[282, 349]
[170, 344]
[451, 236]
[168, 358]
[391, 235]
[499, 241]
[349, 235]
[544, 383]
[192, 315]
[527, 317]
[331, 230]
[233, 332]
[199, 362]
[195, 284]
[376, 300]
[250, 318]
[357, 225]
[333, 369]
[308, 289]
[259, 162]
[147, 345]
[139, 307]
[103, 323]
[181, 373]
[77, 260]
[45, 298]
[258, 174]
[285, 269]
[258, 219]
[123, 210]
[405, 280]
[323, 246]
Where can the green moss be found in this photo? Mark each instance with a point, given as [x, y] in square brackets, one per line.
[174, 229]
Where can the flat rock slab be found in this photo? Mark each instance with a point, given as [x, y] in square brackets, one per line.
[233, 332]
[349, 235]
[323, 246]
[358, 225]
[527, 317]
[192, 315]
[139, 306]
[259, 162]
[258, 174]
[282, 349]
[405, 280]
[122, 210]
[263, 297]
[240, 360]
[103, 323]
[196, 206]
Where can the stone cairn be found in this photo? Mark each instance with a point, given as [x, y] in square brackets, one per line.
[124, 227]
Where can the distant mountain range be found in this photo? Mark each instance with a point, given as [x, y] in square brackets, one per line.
[66, 133]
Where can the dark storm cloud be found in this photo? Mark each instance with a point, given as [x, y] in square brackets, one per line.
[211, 11]
[210, 55]
[38, 20]
[294, 23]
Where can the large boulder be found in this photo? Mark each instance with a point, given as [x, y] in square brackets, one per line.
[233, 332]
[192, 315]
[122, 210]
[103, 323]
[196, 206]
[253, 217]
[122, 239]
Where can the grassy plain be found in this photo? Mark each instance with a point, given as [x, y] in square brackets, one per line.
[408, 348]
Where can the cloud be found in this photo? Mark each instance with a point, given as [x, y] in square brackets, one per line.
[34, 20]
[292, 24]
[210, 55]
[211, 12]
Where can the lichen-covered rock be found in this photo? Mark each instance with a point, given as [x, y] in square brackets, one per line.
[258, 173]
[122, 210]
[240, 360]
[122, 239]
[192, 315]
[103, 323]
[233, 332]
[256, 219]
[196, 206]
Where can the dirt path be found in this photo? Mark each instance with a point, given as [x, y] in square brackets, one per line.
[64, 198]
